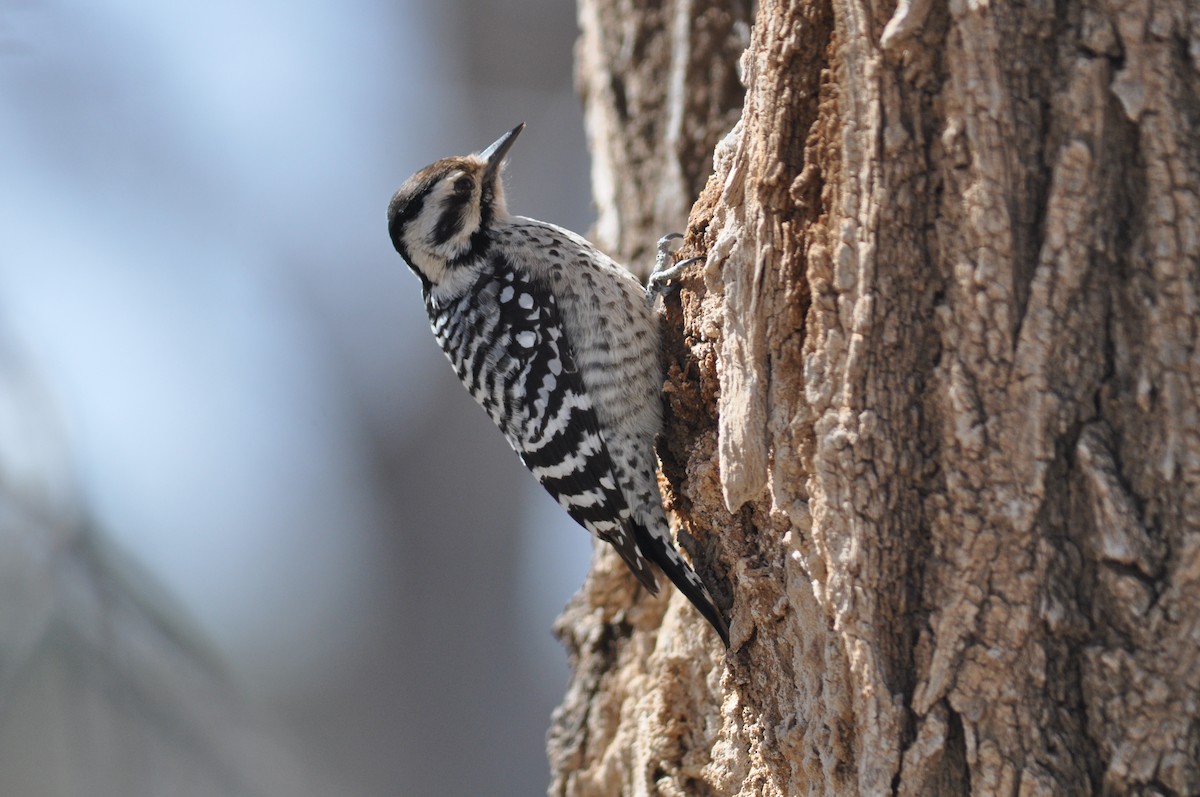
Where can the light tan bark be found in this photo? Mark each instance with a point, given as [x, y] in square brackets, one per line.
[933, 423]
[660, 88]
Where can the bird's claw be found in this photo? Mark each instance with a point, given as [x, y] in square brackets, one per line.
[664, 271]
[664, 250]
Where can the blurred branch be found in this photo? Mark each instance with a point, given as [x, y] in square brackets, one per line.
[104, 688]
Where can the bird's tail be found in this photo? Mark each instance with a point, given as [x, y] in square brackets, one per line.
[628, 546]
[658, 550]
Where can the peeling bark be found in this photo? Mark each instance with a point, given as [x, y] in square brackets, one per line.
[933, 429]
[660, 87]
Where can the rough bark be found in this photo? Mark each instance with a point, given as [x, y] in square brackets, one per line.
[933, 434]
[660, 87]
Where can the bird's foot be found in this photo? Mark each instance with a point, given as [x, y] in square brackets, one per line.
[664, 273]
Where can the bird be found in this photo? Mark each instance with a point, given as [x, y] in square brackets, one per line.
[558, 343]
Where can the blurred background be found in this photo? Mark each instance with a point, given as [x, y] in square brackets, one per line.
[254, 536]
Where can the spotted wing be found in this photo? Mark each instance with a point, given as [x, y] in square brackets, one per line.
[553, 426]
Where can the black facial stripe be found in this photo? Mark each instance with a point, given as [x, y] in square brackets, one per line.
[480, 245]
[453, 217]
[400, 220]
[401, 212]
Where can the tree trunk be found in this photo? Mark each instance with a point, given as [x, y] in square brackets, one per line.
[933, 430]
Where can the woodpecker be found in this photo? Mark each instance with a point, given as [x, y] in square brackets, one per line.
[558, 344]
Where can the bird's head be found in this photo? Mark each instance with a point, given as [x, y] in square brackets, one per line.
[440, 218]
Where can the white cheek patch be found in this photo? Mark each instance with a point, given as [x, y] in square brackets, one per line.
[415, 237]
[440, 201]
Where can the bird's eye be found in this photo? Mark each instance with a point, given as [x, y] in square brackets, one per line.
[463, 185]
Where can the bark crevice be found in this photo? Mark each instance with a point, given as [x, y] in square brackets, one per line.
[933, 429]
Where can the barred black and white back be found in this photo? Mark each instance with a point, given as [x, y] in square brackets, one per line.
[558, 344]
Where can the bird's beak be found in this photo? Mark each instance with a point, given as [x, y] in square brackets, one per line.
[494, 155]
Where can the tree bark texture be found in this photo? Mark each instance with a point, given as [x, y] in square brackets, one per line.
[660, 87]
[933, 429]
